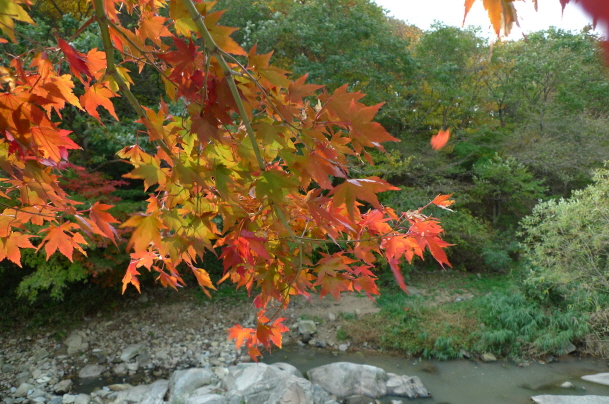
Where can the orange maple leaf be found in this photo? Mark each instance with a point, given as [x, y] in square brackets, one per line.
[443, 201]
[98, 95]
[240, 335]
[9, 246]
[62, 238]
[439, 141]
[102, 219]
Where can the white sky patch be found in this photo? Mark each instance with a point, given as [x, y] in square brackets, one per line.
[423, 13]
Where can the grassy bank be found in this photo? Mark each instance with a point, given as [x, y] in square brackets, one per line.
[453, 313]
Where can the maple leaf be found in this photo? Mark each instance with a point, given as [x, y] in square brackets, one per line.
[9, 246]
[131, 277]
[61, 237]
[76, 60]
[98, 95]
[270, 331]
[10, 10]
[364, 189]
[153, 28]
[240, 335]
[102, 220]
[52, 143]
[443, 201]
[439, 141]
[203, 279]
[147, 230]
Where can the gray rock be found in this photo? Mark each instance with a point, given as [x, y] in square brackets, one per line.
[331, 316]
[286, 368]
[207, 399]
[244, 375]
[63, 386]
[184, 382]
[306, 327]
[397, 402]
[36, 393]
[55, 400]
[282, 389]
[344, 379]
[40, 354]
[569, 348]
[132, 351]
[156, 393]
[144, 393]
[8, 368]
[68, 399]
[343, 347]
[550, 399]
[464, 354]
[132, 395]
[600, 378]
[76, 342]
[39, 400]
[82, 399]
[567, 385]
[22, 390]
[405, 386]
[91, 371]
[488, 357]
[120, 369]
[22, 377]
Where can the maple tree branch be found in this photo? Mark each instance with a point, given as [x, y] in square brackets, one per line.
[143, 52]
[213, 48]
[102, 21]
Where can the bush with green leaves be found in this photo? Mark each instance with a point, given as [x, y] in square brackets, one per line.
[515, 324]
[505, 189]
[567, 246]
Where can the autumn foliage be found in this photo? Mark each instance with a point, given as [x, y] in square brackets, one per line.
[256, 164]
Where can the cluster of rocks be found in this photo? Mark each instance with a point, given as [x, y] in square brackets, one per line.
[248, 383]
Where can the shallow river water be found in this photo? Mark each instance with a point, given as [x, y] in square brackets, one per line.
[467, 381]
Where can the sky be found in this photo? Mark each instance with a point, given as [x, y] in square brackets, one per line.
[422, 13]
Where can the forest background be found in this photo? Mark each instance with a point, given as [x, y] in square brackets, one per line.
[525, 162]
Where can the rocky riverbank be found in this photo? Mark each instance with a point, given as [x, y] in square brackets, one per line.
[148, 341]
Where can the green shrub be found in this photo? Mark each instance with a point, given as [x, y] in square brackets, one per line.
[567, 245]
[516, 325]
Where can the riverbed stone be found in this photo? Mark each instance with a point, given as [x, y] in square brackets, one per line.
[552, 399]
[280, 389]
[22, 377]
[344, 379]
[63, 386]
[569, 348]
[91, 371]
[82, 399]
[23, 389]
[306, 327]
[184, 382]
[132, 351]
[207, 399]
[488, 357]
[599, 378]
[567, 385]
[77, 342]
[405, 386]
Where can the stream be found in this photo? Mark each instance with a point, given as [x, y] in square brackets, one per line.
[466, 381]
